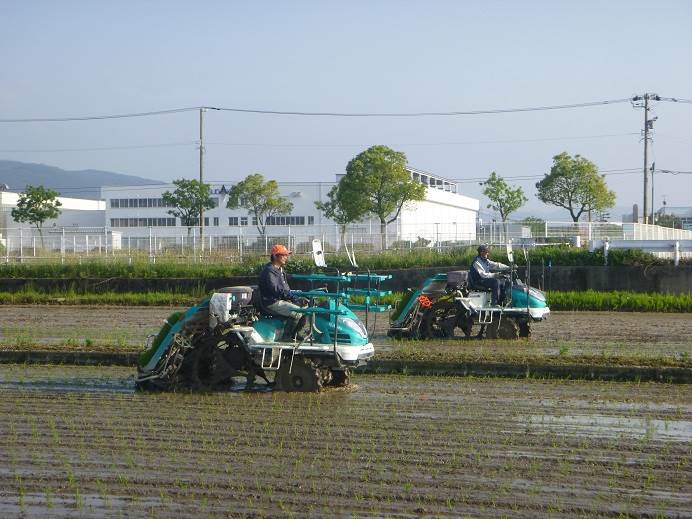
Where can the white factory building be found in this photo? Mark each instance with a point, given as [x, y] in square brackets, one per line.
[135, 217]
[137, 212]
[77, 217]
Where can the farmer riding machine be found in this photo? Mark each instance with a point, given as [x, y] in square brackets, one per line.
[446, 302]
[231, 336]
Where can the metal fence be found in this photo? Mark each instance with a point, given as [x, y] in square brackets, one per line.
[234, 243]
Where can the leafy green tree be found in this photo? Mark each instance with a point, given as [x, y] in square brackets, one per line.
[36, 205]
[261, 199]
[503, 199]
[188, 200]
[537, 225]
[338, 210]
[574, 184]
[668, 220]
[378, 183]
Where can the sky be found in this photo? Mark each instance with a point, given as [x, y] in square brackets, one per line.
[82, 58]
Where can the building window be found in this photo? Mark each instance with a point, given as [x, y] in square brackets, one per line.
[311, 220]
[142, 222]
[216, 221]
[233, 221]
[285, 220]
[254, 220]
[122, 203]
[243, 220]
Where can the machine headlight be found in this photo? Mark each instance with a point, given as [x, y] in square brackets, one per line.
[356, 326]
[537, 294]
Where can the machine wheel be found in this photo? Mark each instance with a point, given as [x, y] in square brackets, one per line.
[197, 370]
[206, 367]
[439, 321]
[465, 323]
[304, 376]
[525, 329]
[507, 329]
[340, 378]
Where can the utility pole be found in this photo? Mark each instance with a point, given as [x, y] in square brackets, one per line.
[648, 125]
[201, 172]
[645, 214]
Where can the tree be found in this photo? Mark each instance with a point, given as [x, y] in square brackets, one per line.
[574, 183]
[537, 225]
[668, 220]
[378, 183]
[188, 200]
[36, 205]
[261, 199]
[338, 210]
[503, 198]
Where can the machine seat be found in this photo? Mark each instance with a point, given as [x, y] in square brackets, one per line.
[256, 301]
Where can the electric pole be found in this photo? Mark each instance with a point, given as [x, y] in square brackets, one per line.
[201, 174]
[648, 125]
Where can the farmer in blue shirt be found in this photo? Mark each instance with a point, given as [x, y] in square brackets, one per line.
[482, 277]
[276, 295]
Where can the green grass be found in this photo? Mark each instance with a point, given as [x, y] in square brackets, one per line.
[567, 301]
[219, 267]
[620, 301]
[28, 297]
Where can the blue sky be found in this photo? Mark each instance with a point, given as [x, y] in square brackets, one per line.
[82, 57]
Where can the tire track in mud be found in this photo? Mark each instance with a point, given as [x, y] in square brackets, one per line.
[397, 446]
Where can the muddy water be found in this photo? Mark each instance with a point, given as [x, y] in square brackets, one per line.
[564, 334]
[79, 441]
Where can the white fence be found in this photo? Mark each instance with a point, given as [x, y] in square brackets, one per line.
[668, 249]
[23, 244]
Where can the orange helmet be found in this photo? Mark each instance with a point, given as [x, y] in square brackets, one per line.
[280, 249]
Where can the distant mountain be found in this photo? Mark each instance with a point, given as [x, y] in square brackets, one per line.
[74, 184]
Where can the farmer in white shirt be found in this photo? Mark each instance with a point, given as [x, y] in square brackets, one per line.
[481, 276]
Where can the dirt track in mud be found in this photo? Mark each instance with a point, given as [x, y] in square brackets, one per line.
[564, 334]
[79, 442]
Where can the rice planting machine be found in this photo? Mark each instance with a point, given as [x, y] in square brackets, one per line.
[228, 338]
[447, 303]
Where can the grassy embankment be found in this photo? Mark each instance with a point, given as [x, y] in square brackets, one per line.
[114, 267]
[568, 301]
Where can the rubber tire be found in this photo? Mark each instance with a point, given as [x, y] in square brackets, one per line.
[524, 329]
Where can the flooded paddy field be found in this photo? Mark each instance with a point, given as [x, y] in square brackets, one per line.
[634, 338]
[79, 441]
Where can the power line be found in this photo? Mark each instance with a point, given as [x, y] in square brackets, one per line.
[317, 114]
[103, 148]
[337, 114]
[316, 145]
[528, 176]
[97, 117]
[458, 181]
[675, 100]
[442, 143]
[531, 176]
[425, 114]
